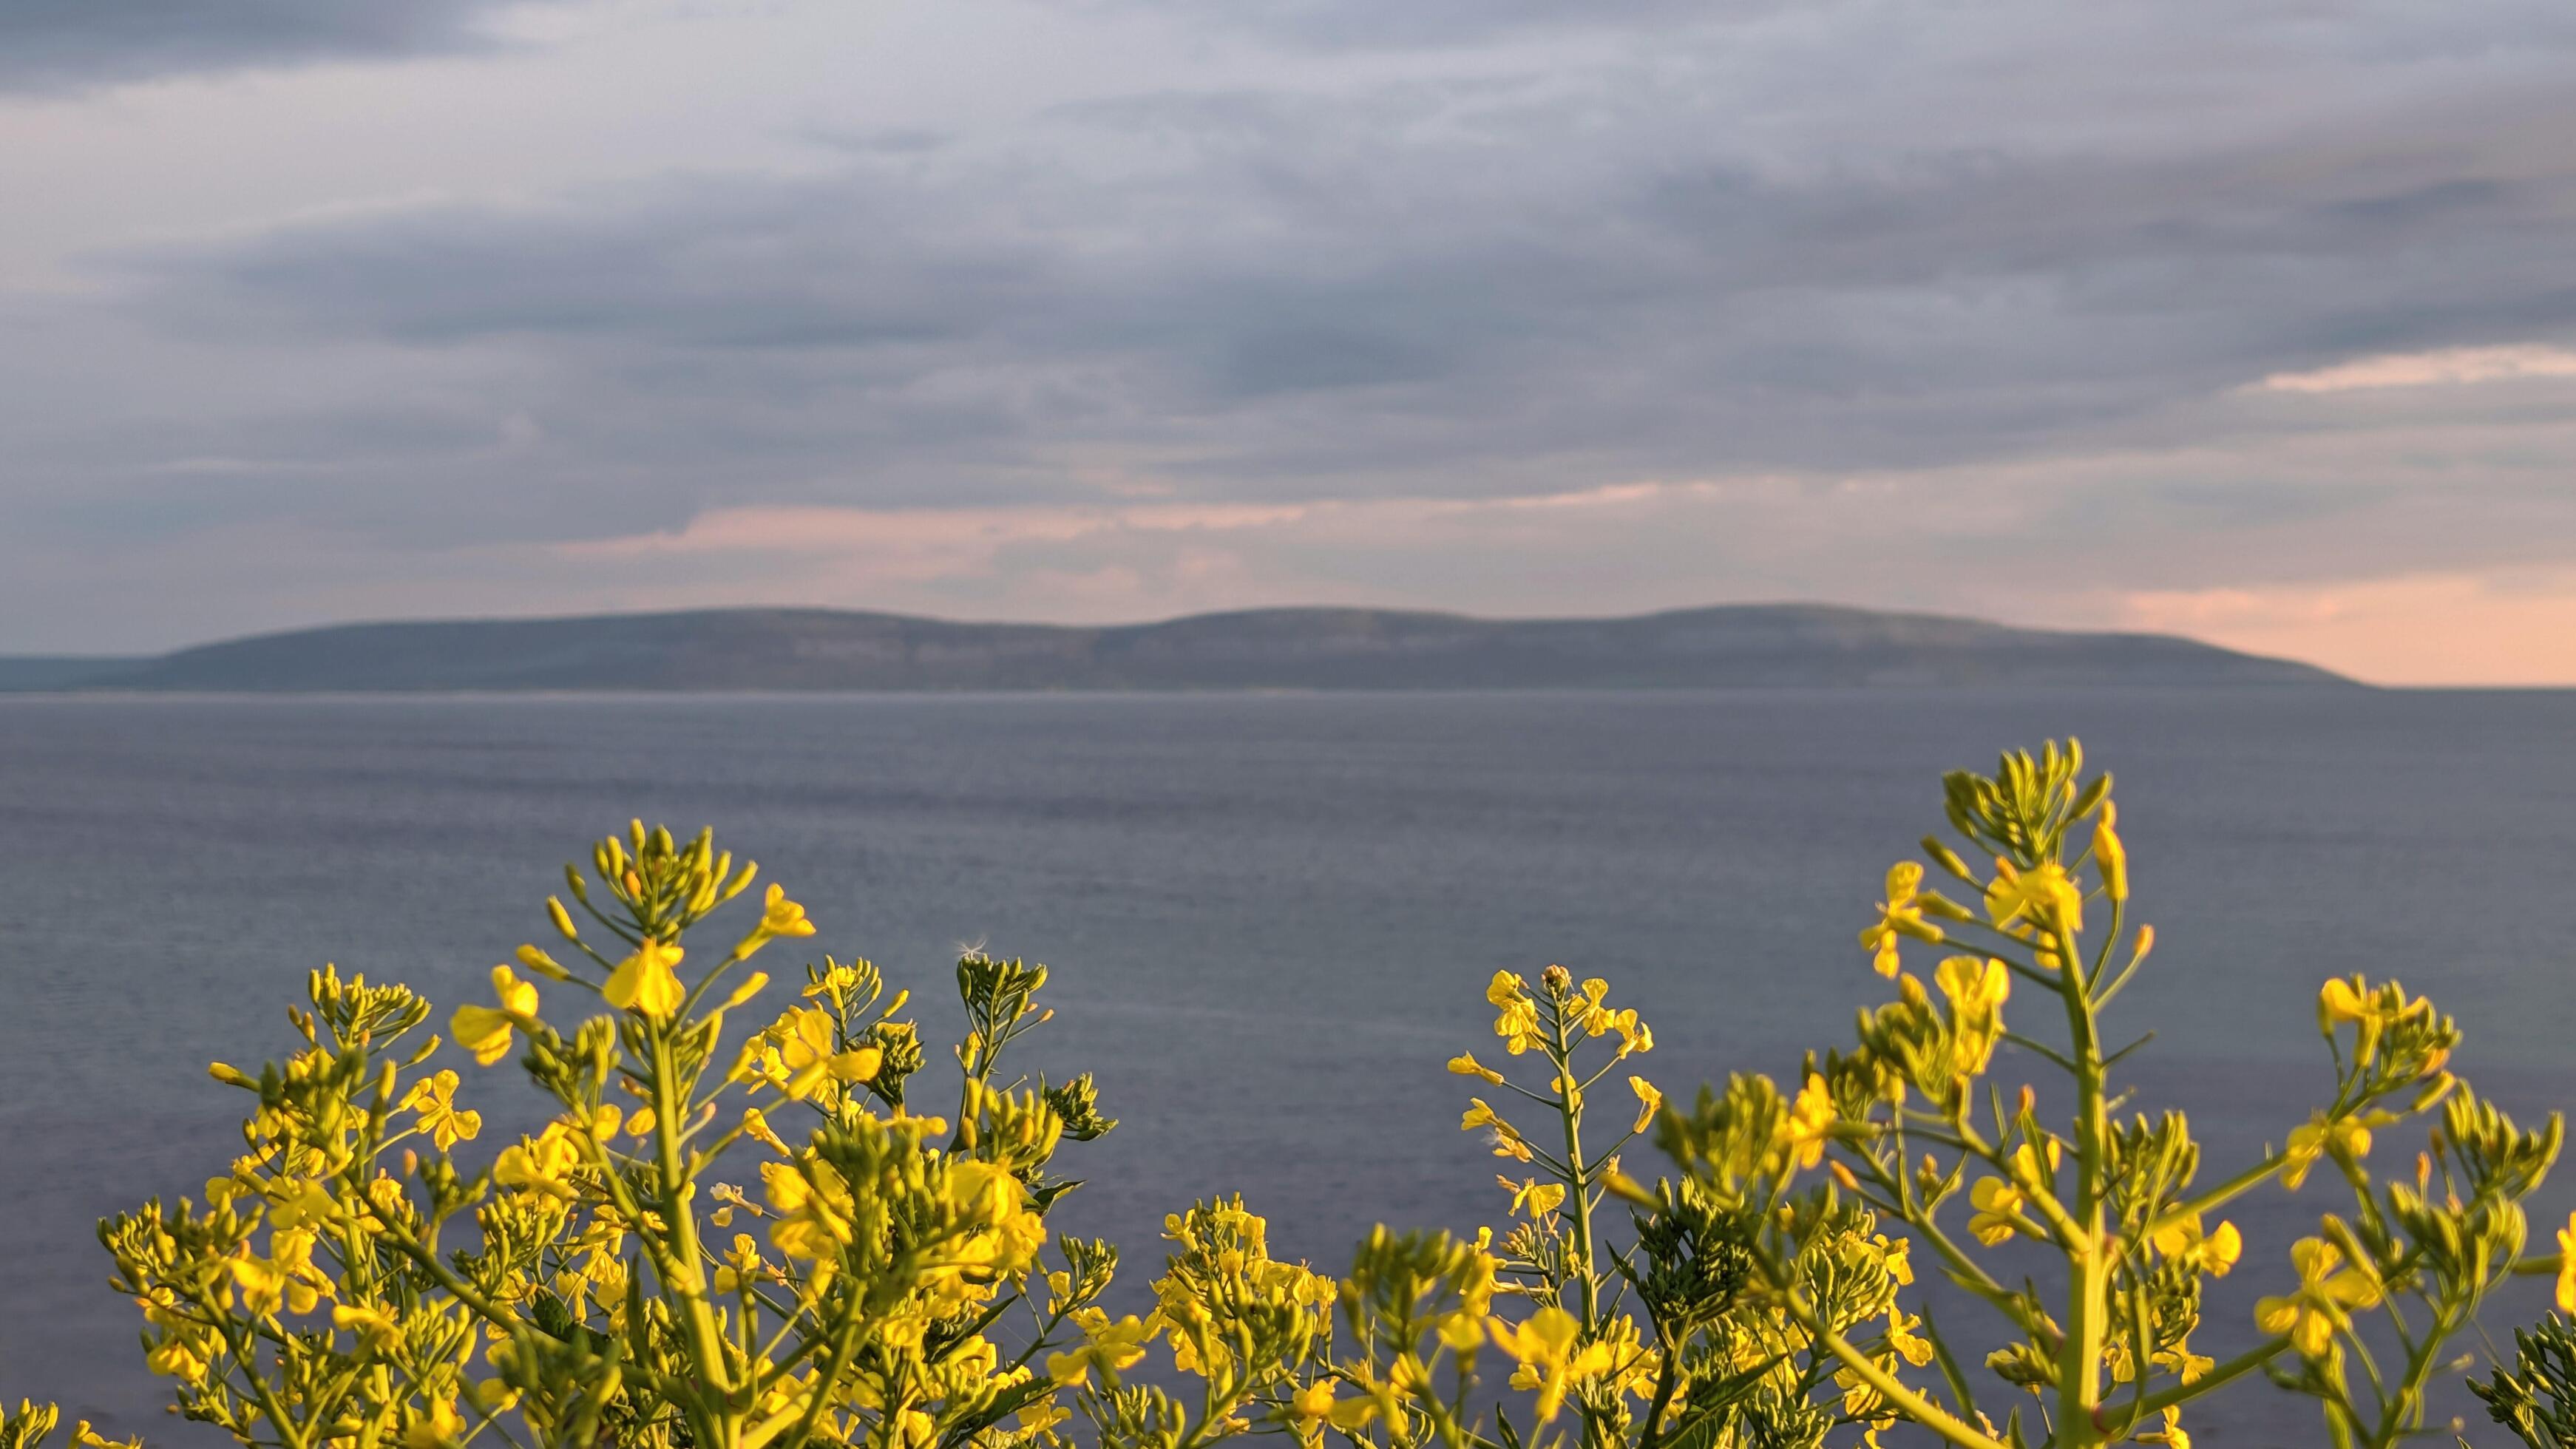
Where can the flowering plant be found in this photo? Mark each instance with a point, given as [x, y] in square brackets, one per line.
[763, 1240]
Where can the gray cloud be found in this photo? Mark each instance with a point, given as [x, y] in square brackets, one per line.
[1439, 288]
[68, 44]
[1447, 251]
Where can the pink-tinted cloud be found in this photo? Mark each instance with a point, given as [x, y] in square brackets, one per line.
[2423, 629]
[2452, 366]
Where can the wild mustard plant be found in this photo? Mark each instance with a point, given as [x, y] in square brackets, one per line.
[761, 1239]
[2120, 1202]
[659, 1264]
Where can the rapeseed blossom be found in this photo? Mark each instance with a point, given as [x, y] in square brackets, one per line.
[2213, 1253]
[2566, 1285]
[1507, 1139]
[1106, 1348]
[1649, 1102]
[645, 982]
[2320, 1305]
[2044, 895]
[1998, 1210]
[1901, 914]
[434, 1099]
[1809, 1124]
[485, 1030]
[1552, 1360]
[1535, 1197]
[2346, 1137]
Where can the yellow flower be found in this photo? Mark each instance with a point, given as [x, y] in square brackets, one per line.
[179, 1356]
[812, 1212]
[485, 1030]
[443, 1426]
[2340, 1001]
[1977, 988]
[1901, 1337]
[2044, 895]
[1309, 1409]
[1465, 1065]
[543, 1163]
[1998, 1206]
[1107, 1347]
[645, 982]
[285, 1279]
[1809, 1123]
[1507, 1138]
[377, 1331]
[808, 1041]
[2567, 1266]
[2346, 1137]
[2326, 1289]
[783, 917]
[1901, 914]
[1634, 1035]
[779, 916]
[755, 1125]
[1597, 1015]
[2213, 1253]
[1541, 1198]
[741, 1266]
[299, 1203]
[1506, 988]
[1897, 1256]
[434, 1098]
[2171, 1435]
[1649, 1102]
[1544, 1347]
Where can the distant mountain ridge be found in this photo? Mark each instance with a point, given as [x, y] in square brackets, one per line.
[1741, 645]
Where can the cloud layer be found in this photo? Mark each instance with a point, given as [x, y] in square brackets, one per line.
[54, 45]
[1128, 308]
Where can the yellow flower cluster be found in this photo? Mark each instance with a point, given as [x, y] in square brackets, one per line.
[751, 1239]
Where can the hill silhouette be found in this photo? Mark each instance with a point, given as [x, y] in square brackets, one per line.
[1305, 648]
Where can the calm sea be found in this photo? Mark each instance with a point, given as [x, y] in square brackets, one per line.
[1269, 917]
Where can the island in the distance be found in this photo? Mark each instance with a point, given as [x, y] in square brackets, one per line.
[1731, 646]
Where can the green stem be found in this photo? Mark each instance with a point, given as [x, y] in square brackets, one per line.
[683, 1276]
[2079, 1362]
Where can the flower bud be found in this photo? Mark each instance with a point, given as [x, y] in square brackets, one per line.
[1621, 1185]
[2111, 856]
[542, 964]
[1948, 859]
[562, 919]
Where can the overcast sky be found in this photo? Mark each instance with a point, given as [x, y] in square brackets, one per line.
[2254, 320]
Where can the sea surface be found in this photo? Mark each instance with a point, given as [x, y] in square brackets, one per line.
[1269, 917]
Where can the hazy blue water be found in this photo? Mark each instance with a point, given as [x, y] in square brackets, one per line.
[1270, 917]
